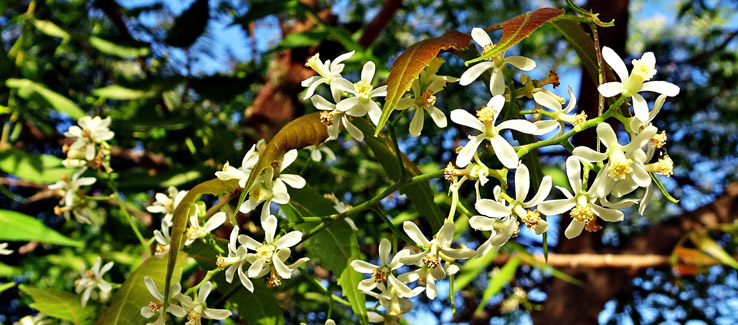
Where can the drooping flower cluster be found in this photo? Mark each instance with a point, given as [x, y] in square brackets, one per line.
[93, 279]
[181, 305]
[90, 147]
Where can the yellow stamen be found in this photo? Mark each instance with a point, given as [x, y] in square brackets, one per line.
[619, 170]
[431, 261]
[659, 140]
[645, 71]
[580, 118]
[326, 118]
[486, 114]
[664, 166]
[592, 226]
[379, 275]
[427, 99]
[582, 213]
[363, 89]
[532, 218]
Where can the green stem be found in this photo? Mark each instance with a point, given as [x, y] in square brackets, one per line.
[539, 111]
[125, 213]
[396, 232]
[366, 205]
[525, 149]
[207, 278]
[398, 153]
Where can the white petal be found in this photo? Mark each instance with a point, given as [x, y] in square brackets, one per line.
[367, 285]
[554, 207]
[290, 239]
[504, 152]
[545, 126]
[204, 291]
[416, 125]
[385, 246]
[343, 85]
[467, 153]
[588, 154]
[519, 125]
[367, 73]
[353, 130]
[574, 173]
[661, 87]
[482, 223]
[363, 266]
[414, 233]
[270, 228]
[211, 313]
[640, 107]
[294, 181]
[610, 89]
[374, 112]
[542, 192]
[522, 182]
[497, 82]
[256, 268]
[474, 71]
[608, 214]
[615, 62]
[480, 36]
[462, 117]
[521, 62]
[546, 100]
[607, 135]
[574, 229]
[492, 208]
[282, 269]
[215, 221]
[438, 117]
[640, 176]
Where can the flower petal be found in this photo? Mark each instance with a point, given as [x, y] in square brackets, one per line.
[473, 72]
[414, 233]
[290, 239]
[270, 228]
[294, 181]
[467, 153]
[367, 72]
[574, 173]
[462, 117]
[282, 269]
[521, 62]
[438, 117]
[554, 207]
[661, 87]
[497, 83]
[215, 221]
[363, 266]
[574, 229]
[543, 190]
[589, 154]
[492, 208]
[610, 89]
[608, 214]
[504, 152]
[482, 223]
[519, 125]
[416, 125]
[480, 37]
[640, 107]
[522, 182]
[385, 246]
[615, 62]
[546, 100]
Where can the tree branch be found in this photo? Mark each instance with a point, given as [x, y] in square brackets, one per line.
[372, 30]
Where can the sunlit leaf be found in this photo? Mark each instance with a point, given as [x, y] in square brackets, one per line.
[583, 44]
[30, 90]
[179, 220]
[471, 269]
[410, 63]
[709, 246]
[120, 92]
[126, 303]
[6, 286]
[189, 25]
[119, 50]
[50, 29]
[517, 29]
[9, 271]
[36, 168]
[59, 304]
[656, 181]
[20, 227]
[498, 281]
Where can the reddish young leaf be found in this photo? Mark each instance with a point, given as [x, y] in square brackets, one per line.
[518, 28]
[408, 66]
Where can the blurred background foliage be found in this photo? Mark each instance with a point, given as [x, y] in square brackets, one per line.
[191, 85]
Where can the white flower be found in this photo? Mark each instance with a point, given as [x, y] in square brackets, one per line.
[273, 189]
[316, 153]
[439, 248]
[91, 131]
[392, 300]
[630, 85]
[332, 118]
[327, 72]
[582, 204]
[92, 279]
[4, 249]
[166, 203]
[425, 278]
[560, 115]
[475, 171]
[237, 256]
[271, 254]
[162, 239]
[155, 305]
[501, 219]
[197, 309]
[242, 173]
[487, 116]
[195, 231]
[363, 91]
[341, 208]
[71, 200]
[496, 63]
[424, 89]
[383, 272]
[623, 162]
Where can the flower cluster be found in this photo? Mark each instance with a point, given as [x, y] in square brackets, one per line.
[182, 305]
[93, 279]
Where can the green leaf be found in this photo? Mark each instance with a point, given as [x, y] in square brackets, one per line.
[36, 168]
[142, 180]
[60, 304]
[656, 181]
[420, 194]
[334, 247]
[50, 29]
[471, 269]
[307, 38]
[517, 29]
[119, 50]
[189, 25]
[410, 63]
[9, 271]
[583, 44]
[126, 303]
[709, 246]
[6, 286]
[179, 221]
[120, 92]
[30, 90]
[499, 280]
[20, 227]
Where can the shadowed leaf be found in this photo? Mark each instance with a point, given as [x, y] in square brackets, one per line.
[36, 168]
[408, 66]
[30, 90]
[59, 304]
[189, 25]
[20, 227]
[498, 281]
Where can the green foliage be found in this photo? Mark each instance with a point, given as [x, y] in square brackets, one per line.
[20, 227]
[30, 90]
[499, 280]
[60, 304]
[37, 168]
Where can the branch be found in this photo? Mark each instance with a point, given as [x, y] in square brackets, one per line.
[372, 30]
